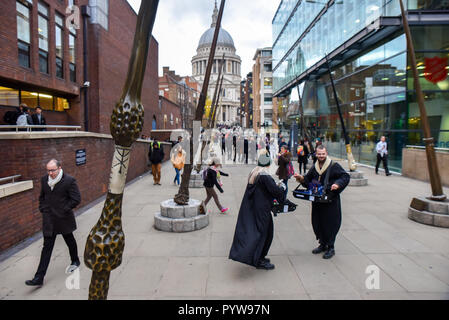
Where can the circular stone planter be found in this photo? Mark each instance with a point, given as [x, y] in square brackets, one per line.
[176, 218]
[357, 179]
[433, 213]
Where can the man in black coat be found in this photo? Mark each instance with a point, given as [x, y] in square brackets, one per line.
[254, 230]
[156, 155]
[59, 196]
[39, 119]
[326, 217]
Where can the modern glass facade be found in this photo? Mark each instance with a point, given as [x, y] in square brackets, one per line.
[374, 86]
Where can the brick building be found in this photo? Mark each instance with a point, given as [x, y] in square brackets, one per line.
[182, 91]
[42, 60]
[170, 116]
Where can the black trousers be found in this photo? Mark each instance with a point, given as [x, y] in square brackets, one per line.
[49, 243]
[303, 164]
[384, 160]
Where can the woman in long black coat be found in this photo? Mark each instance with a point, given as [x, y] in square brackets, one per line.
[326, 217]
[254, 230]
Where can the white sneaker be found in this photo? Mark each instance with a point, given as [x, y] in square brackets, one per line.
[72, 267]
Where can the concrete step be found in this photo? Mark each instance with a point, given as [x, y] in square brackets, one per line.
[358, 182]
[429, 218]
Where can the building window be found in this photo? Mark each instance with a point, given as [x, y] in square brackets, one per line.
[268, 83]
[29, 98]
[43, 36]
[61, 104]
[72, 56]
[267, 68]
[23, 34]
[59, 41]
[9, 97]
[268, 99]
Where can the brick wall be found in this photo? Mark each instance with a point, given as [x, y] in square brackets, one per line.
[19, 214]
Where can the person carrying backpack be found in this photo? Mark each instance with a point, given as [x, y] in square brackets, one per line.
[285, 170]
[211, 177]
[303, 155]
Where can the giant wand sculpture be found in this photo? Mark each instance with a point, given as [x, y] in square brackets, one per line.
[182, 198]
[351, 161]
[106, 241]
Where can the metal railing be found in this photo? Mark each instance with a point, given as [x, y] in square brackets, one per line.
[424, 148]
[31, 127]
[2, 180]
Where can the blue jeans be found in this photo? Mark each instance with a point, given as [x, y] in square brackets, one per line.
[177, 176]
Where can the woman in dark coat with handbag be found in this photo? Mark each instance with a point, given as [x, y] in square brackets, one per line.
[59, 196]
[283, 161]
[254, 230]
[326, 217]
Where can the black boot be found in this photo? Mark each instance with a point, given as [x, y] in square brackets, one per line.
[319, 249]
[264, 264]
[35, 282]
[330, 252]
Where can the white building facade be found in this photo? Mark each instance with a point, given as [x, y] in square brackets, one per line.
[230, 93]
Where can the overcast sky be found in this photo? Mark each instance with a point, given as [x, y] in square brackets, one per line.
[180, 24]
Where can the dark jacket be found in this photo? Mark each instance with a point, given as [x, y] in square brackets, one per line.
[303, 158]
[36, 122]
[254, 230]
[211, 179]
[326, 217]
[156, 155]
[57, 206]
[283, 161]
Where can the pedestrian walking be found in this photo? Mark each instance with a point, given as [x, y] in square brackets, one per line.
[382, 155]
[178, 159]
[254, 230]
[59, 196]
[211, 178]
[156, 155]
[326, 217]
[284, 161]
[303, 156]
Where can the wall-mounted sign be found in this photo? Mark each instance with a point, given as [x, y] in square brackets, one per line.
[80, 157]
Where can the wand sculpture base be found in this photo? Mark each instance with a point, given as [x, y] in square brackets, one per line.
[357, 179]
[176, 218]
[426, 211]
[196, 180]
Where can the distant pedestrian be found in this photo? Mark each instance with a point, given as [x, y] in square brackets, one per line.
[284, 158]
[382, 155]
[254, 230]
[283, 143]
[326, 217]
[39, 119]
[178, 159]
[59, 196]
[303, 155]
[24, 119]
[211, 178]
[156, 155]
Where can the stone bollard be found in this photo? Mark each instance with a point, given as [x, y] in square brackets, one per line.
[357, 179]
[433, 213]
[176, 218]
[196, 180]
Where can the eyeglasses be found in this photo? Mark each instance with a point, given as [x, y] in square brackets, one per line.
[52, 170]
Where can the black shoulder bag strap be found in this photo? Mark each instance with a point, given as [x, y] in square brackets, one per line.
[326, 178]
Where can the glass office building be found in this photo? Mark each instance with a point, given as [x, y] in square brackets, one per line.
[365, 45]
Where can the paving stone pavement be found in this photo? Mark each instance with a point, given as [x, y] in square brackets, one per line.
[413, 259]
